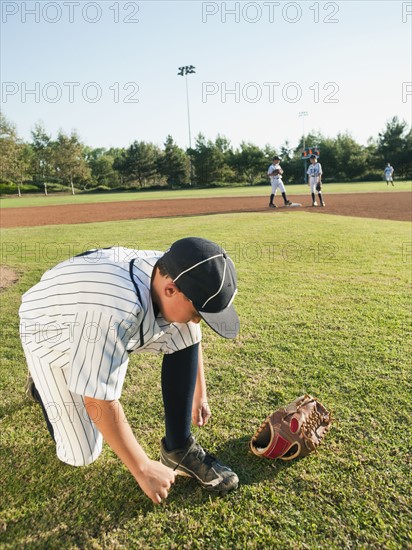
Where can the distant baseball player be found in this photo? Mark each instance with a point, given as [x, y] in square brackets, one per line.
[388, 174]
[275, 174]
[78, 326]
[314, 173]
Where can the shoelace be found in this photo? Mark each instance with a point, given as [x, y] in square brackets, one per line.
[206, 458]
[203, 456]
[209, 460]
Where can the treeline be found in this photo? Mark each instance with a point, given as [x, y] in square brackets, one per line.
[65, 162]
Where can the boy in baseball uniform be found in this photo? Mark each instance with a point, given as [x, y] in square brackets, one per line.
[78, 326]
[275, 175]
[388, 174]
[315, 180]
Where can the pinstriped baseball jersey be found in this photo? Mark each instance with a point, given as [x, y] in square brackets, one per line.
[89, 312]
[271, 170]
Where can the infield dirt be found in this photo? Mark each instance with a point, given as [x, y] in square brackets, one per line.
[391, 206]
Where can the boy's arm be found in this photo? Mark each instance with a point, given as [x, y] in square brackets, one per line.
[154, 478]
[200, 409]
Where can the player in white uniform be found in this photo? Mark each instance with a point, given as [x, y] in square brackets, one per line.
[78, 326]
[388, 174]
[275, 174]
[314, 173]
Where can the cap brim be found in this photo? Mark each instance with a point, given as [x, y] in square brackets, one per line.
[226, 323]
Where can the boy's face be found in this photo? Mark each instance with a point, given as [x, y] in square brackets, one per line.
[313, 161]
[176, 308]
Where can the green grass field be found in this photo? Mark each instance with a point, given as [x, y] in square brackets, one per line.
[325, 308]
[41, 200]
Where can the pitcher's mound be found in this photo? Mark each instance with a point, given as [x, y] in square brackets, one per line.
[7, 277]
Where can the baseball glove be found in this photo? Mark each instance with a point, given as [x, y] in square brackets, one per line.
[319, 186]
[276, 172]
[293, 431]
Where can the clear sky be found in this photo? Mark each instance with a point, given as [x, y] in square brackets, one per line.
[108, 69]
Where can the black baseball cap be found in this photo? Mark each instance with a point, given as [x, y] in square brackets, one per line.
[313, 157]
[206, 275]
[276, 158]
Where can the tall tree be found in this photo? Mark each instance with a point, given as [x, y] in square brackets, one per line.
[139, 163]
[25, 157]
[9, 150]
[350, 158]
[372, 161]
[69, 161]
[394, 146]
[120, 165]
[100, 162]
[173, 164]
[405, 167]
[226, 157]
[209, 159]
[43, 150]
[250, 163]
[286, 152]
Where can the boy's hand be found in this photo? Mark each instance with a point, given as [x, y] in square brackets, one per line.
[155, 480]
[201, 413]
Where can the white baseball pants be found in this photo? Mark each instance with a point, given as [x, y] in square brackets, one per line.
[313, 182]
[78, 441]
[276, 184]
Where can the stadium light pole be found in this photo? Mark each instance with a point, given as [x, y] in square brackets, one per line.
[303, 114]
[184, 71]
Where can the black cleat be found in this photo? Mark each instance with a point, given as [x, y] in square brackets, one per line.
[194, 462]
[30, 390]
